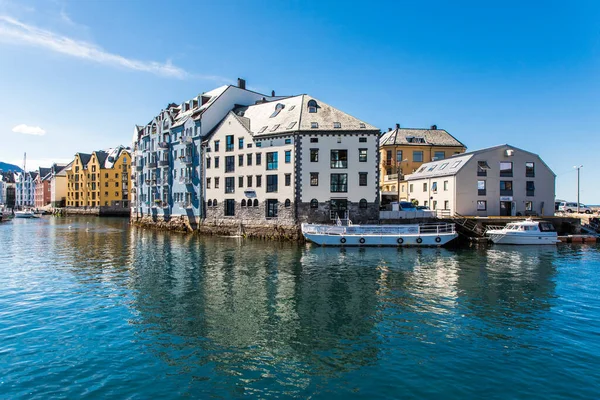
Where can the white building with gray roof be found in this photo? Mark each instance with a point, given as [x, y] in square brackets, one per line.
[496, 181]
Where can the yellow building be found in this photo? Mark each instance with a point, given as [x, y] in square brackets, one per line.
[102, 178]
[404, 150]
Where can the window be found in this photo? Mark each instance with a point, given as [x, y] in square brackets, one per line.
[362, 203]
[215, 202]
[481, 205]
[249, 181]
[229, 164]
[314, 125]
[258, 158]
[248, 160]
[339, 183]
[241, 160]
[208, 163]
[240, 181]
[439, 155]
[456, 164]
[241, 143]
[229, 184]
[258, 180]
[506, 168]
[243, 203]
[362, 139]
[208, 183]
[482, 167]
[287, 203]
[216, 183]
[418, 156]
[314, 155]
[529, 206]
[446, 204]
[530, 188]
[258, 144]
[481, 188]
[272, 208]
[314, 179]
[339, 159]
[216, 145]
[314, 203]
[337, 125]
[216, 162]
[432, 167]
[362, 179]
[229, 207]
[229, 143]
[264, 128]
[274, 128]
[288, 141]
[288, 179]
[291, 125]
[271, 183]
[249, 145]
[443, 166]
[529, 169]
[271, 161]
[362, 155]
[506, 188]
[410, 188]
[314, 140]
[434, 187]
[445, 186]
[434, 205]
[255, 203]
[288, 156]
[424, 186]
[312, 106]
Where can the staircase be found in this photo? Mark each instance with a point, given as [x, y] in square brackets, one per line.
[469, 227]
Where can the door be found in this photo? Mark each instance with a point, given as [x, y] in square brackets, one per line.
[505, 208]
[339, 209]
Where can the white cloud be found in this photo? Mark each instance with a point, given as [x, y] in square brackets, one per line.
[29, 130]
[15, 31]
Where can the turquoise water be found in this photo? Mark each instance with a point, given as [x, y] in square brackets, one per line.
[102, 310]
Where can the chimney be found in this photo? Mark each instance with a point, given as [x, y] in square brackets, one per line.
[389, 129]
[242, 83]
[272, 93]
[433, 127]
[397, 126]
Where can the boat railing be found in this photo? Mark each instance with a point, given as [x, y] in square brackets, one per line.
[424, 229]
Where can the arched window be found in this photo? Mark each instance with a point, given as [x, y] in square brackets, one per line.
[243, 203]
[314, 203]
[393, 188]
[362, 203]
[312, 106]
[210, 203]
[249, 203]
[278, 108]
[288, 203]
[255, 202]
[214, 202]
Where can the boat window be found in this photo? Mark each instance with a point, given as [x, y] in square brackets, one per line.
[547, 227]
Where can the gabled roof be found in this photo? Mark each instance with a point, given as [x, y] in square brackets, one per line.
[43, 172]
[85, 158]
[291, 114]
[101, 155]
[432, 137]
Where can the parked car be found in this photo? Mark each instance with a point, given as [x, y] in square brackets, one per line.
[572, 207]
[407, 206]
[422, 208]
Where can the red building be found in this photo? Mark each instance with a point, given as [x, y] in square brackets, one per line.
[42, 188]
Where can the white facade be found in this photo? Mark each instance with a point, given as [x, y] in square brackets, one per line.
[497, 181]
[25, 189]
[58, 187]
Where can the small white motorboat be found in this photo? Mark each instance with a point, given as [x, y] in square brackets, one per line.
[25, 214]
[524, 232]
[379, 235]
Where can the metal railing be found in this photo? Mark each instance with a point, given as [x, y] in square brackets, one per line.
[381, 230]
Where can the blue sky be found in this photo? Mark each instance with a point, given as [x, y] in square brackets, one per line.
[83, 73]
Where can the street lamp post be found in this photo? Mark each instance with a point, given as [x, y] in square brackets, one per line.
[398, 169]
[578, 168]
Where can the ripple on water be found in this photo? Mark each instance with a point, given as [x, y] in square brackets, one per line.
[102, 310]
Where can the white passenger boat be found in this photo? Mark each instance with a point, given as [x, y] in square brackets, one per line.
[524, 232]
[380, 235]
[24, 214]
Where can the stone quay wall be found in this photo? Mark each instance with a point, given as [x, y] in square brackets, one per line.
[103, 211]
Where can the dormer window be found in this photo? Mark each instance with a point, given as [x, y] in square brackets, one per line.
[337, 125]
[312, 106]
[278, 108]
[314, 125]
[273, 129]
[291, 125]
[362, 125]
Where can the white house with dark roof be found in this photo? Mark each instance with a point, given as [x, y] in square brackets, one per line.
[291, 160]
[496, 181]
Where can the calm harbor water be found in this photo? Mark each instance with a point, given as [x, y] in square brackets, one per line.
[93, 308]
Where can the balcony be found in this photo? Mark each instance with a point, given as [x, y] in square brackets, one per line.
[390, 178]
[165, 182]
[139, 167]
[187, 159]
[152, 164]
[187, 140]
[163, 145]
[185, 204]
[186, 180]
[163, 163]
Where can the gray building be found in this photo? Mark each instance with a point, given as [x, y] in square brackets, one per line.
[496, 181]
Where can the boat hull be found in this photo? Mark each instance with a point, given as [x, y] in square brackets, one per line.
[383, 240]
[20, 214]
[515, 238]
